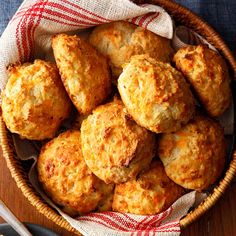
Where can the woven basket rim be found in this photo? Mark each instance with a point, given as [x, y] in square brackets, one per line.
[227, 54]
[42, 207]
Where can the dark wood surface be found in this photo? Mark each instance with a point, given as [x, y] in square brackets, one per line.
[219, 221]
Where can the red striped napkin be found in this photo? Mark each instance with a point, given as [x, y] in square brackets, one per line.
[29, 32]
[28, 36]
[118, 224]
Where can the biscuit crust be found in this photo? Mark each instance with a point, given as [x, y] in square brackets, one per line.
[66, 178]
[194, 156]
[121, 40]
[152, 192]
[34, 102]
[208, 74]
[84, 71]
[155, 94]
[114, 147]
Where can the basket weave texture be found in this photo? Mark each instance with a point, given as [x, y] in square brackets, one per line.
[19, 170]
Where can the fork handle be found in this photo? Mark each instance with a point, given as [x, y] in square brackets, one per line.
[10, 218]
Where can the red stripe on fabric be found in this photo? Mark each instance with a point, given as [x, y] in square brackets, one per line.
[66, 17]
[158, 220]
[28, 27]
[15, 18]
[18, 41]
[34, 28]
[144, 18]
[55, 20]
[60, 15]
[146, 233]
[21, 42]
[169, 231]
[85, 10]
[17, 15]
[166, 231]
[141, 223]
[163, 216]
[104, 222]
[139, 233]
[23, 38]
[20, 11]
[166, 214]
[165, 228]
[72, 12]
[128, 217]
[154, 219]
[133, 20]
[136, 20]
[121, 220]
[155, 15]
[62, 22]
[23, 8]
[108, 220]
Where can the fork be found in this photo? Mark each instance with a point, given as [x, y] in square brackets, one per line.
[11, 219]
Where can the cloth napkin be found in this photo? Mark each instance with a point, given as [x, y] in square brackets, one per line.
[218, 13]
[28, 36]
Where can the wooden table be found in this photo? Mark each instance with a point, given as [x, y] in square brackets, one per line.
[219, 221]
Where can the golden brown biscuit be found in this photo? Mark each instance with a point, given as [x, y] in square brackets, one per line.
[120, 40]
[208, 74]
[114, 147]
[194, 156]
[34, 102]
[67, 179]
[155, 94]
[152, 192]
[84, 71]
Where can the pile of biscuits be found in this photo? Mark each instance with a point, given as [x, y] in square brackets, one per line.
[139, 141]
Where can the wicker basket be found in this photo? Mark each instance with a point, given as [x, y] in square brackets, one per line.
[19, 170]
